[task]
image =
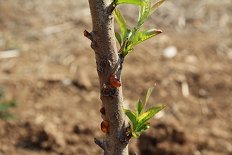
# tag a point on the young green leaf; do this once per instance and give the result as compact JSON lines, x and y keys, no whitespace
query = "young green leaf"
{"x":144,"y":12}
{"x":139,"y":107}
{"x":143,"y":127}
{"x":137,"y":132}
{"x":132,"y":117}
{"x":144,"y":35}
{"x":118,"y":37}
{"x":126,"y":51}
{"x":156,"y":6}
{"x":127,"y":48}
{"x":136,"y":2}
{"x":149,"y":91}
{"x":149,"y":114}
{"x":121,"y":22}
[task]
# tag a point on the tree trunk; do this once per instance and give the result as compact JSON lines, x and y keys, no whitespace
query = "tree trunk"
{"x":103,"y":43}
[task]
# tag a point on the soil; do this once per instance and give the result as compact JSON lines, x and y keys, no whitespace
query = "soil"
{"x":52,"y":77}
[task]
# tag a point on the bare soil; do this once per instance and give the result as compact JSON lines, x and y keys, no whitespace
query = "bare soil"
{"x":53,"y":79}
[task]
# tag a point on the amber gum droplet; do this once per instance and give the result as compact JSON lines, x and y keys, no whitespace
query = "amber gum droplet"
{"x":105,"y":126}
{"x":114,"y":81}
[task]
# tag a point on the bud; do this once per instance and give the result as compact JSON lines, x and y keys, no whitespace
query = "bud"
{"x":103,"y":111}
{"x":105,"y":126}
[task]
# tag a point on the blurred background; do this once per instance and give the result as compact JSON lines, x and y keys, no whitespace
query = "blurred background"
{"x":48,"y":76}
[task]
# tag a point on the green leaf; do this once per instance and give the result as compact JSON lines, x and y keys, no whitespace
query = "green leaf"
{"x":138,"y":131}
{"x":132,"y":117}
{"x":144,"y":12}
{"x":149,"y":114}
{"x":129,"y":34}
{"x":126,"y":43}
{"x":156,"y":6}
{"x":143,"y":127}
{"x":126,"y":51}
{"x":118,"y":37}
{"x":139,"y":107}
{"x":144,"y":35}
{"x":121,"y":22}
{"x":136,"y":2}
{"x":149,"y":91}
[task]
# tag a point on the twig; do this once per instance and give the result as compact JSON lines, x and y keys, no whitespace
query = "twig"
{"x":88,"y":35}
{"x":100,"y":143}
{"x":185,"y":89}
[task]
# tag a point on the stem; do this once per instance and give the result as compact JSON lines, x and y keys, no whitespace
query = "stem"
{"x":104,"y":45}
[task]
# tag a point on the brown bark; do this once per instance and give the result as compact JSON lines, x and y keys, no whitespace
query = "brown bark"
{"x":103,"y":43}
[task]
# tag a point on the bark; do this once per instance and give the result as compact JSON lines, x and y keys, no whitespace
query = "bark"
{"x":108,"y":61}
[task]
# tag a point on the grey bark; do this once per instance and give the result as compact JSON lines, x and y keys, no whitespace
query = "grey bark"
{"x":103,"y":43}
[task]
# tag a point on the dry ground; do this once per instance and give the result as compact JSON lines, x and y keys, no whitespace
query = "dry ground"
{"x":54,"y":81}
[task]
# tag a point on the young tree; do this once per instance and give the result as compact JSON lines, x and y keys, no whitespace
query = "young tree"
{"x":109,"y":60}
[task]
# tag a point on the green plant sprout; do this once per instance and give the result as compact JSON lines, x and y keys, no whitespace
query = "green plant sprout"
{"x":5,"y":106}
{"x":139,"y":117}
{"x":128,"y":38}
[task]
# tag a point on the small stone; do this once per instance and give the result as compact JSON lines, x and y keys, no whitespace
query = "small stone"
{"x":170,"y":52}
{"x":203,"y":93}
{"x":185,"y":89}
{"x":66,"y":82}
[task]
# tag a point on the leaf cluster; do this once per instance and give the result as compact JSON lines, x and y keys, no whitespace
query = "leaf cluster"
{"x":139,"y":118}
{"x":128,"y":38}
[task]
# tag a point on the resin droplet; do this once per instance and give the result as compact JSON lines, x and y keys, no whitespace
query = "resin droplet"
{"x":114,"y":81}
{"x":105,"y":126}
